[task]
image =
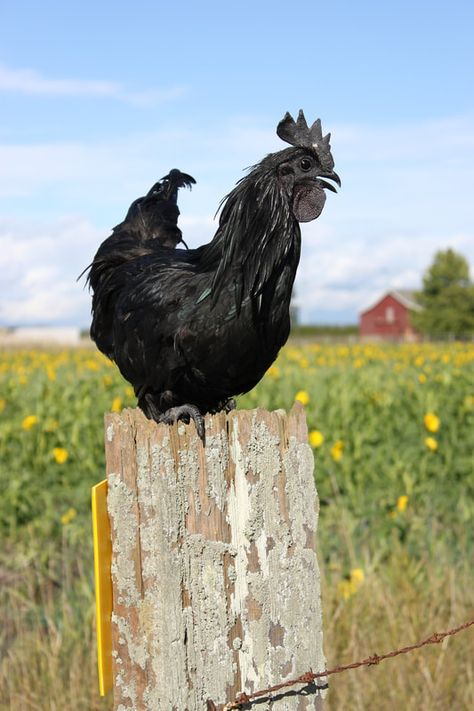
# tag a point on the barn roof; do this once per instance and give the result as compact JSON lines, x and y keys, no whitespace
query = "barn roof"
{"x":406,"y":297}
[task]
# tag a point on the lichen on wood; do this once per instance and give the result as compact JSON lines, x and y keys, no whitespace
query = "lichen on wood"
{"x":215,"y":577}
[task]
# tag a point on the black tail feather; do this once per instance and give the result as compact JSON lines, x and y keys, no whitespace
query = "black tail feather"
{"x":150,"y":224}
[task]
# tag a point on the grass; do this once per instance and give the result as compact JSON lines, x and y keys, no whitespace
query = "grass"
{"x":396,"y":526}
{"x":403,"y":604}
{"x":48,"y":640}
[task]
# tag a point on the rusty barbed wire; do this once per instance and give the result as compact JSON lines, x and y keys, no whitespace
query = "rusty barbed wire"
{"x":308,"y":677}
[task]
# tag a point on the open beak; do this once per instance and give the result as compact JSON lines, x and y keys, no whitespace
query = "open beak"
{"x":330,"y":176}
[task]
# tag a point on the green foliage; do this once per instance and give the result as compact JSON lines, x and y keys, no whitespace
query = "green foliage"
{"x":447,"y":298}
{"x":448,"y":269}
{"x":314,"y":331}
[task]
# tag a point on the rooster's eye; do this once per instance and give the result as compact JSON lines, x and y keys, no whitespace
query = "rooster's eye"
{"x":306,"y":164}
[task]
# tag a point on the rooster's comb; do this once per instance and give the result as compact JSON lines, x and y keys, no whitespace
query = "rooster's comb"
{"x":297,"y":133}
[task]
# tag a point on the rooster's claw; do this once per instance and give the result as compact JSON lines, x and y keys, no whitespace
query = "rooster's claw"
{"x":230,"y":405}
{"x":185,"y":413}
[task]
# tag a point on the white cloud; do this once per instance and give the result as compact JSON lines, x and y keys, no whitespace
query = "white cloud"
{"x":49,"y":303}
{"x":40,"y":265}
{"x":122,"y":168}
{"x":29,"y":81}
{"x":338,"y":278}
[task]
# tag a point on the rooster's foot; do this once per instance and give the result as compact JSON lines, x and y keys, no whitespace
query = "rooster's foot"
{"x":185,"y":413}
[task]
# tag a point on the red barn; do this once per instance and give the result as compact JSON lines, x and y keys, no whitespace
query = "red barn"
{"x":389,"y":317}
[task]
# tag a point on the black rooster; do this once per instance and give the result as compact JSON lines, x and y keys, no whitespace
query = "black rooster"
{"x":190,"y":328}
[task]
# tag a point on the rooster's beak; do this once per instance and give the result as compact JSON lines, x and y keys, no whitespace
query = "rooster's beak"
{"x":330,"y":176}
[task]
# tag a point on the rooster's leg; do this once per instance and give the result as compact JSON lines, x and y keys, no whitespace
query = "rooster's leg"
{"x":230,"y":405}
{"x":185,"y":413}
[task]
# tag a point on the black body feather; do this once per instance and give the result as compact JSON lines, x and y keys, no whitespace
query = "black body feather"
{"x":198,"y":326}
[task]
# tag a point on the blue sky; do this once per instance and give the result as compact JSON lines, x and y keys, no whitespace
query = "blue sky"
{"x":98,"y":100}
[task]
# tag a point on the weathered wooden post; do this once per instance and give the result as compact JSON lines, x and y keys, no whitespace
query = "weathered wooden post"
{"x":215,"y":577}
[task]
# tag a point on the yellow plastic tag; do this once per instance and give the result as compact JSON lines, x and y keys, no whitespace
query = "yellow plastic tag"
{"x":103,"y":585}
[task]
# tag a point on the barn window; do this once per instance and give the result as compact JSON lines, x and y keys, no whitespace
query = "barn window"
{"x":389,"y":314}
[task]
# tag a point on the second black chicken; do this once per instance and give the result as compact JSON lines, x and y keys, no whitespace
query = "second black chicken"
{"x":191,"y":328}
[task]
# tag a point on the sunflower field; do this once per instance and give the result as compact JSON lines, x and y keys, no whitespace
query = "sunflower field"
{"x":392,"y":430}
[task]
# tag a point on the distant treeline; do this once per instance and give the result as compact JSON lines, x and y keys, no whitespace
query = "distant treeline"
{"x":313,"y":331}
{"x":299,"y":331}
